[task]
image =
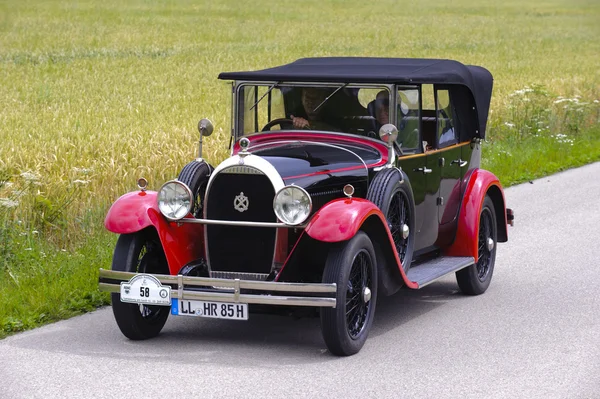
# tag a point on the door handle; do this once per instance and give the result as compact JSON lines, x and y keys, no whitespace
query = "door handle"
{"x":460,"y":162}
{"x":424,"y":170}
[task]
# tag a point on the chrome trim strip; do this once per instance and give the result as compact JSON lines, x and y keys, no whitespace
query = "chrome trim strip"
{"x":242,"y":298}
{"x":235,"y":286}
{"x":237,"y":223}
{"x":244,"y":284}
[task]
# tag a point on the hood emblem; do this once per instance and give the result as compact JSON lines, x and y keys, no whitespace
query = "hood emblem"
{"x":240,"y":203}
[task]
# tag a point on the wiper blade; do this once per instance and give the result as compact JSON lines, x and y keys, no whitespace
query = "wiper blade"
{"x":264,"y":95}
{"x":329,"y":96}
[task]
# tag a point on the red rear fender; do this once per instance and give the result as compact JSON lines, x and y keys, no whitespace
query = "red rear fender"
{"x":136,"y":211}
{"x":481,"y":183}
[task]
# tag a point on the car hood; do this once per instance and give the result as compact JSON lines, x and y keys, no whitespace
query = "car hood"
{"x":312,"y":164}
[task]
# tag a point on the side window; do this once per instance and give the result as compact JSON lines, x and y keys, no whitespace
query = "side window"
{"x":446,"y":131}
{"x":409,"y":136}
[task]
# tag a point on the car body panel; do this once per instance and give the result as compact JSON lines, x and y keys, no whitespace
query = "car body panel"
{"x":341,"y":219}
{"x":478,"y":183}
{"x":136,"y":211}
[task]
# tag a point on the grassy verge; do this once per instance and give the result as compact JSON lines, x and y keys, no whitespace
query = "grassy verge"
{"x":95,"y":94}
{"x":540,"y":156}
{"x":40,"y":283}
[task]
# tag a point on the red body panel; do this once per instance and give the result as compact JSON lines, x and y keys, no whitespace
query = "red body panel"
{"x":130,"y":212}
{"x":135,"y":211}
{"x":340,"y":219}
{"x":466,"y":241}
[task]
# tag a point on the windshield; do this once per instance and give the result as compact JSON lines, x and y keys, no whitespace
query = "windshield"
{"x":337,"y":108}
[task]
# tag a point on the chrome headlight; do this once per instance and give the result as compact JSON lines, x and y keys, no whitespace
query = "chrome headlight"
{"x":292,"y":205}
{"x":175,"y":200}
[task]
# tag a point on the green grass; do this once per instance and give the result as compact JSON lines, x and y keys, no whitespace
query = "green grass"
{"x":539,"y":156}
{"x":42,"y":283}
{"x":94,"y":94}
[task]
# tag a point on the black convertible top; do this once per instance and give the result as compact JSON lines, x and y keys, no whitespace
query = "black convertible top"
{"x":476,"y":79}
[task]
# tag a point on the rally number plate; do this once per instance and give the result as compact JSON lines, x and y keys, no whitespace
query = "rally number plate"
{"x":215,"y":310}
{"x":145,"y":289}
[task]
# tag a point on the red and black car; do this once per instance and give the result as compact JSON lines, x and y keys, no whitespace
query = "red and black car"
{"x":348,"y":178}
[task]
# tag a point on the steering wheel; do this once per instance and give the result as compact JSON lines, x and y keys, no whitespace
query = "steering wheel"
{"x":278,"y":121}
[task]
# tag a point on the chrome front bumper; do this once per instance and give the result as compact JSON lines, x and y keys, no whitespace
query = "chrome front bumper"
{"x":227,"y":290}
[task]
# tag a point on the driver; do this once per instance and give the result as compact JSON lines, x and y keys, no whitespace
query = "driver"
{"x":312,"y":97}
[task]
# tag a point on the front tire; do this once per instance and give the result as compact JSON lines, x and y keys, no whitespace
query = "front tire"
{"x":475,"y":279}
{"x":139,"y":252}
{"x":352,"y":266}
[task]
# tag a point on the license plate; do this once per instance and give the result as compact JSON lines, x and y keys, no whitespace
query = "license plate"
{"x":215,"y":310}
{"x":145,"y":289}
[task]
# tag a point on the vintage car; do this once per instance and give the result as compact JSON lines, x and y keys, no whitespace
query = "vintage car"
{"x":348,"y":178}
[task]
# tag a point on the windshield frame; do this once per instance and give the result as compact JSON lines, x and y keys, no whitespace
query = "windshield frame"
{"x":237,"y":127}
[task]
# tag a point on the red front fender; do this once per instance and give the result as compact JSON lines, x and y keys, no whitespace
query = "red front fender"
{"x":340,"y":219}
{"x":481,"y":183}
{"x":130,"y":213}
{"x":136,"y":211}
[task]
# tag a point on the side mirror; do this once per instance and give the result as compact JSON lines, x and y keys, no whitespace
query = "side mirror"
{"x":205,"y":127}
{"x":388,"y":133}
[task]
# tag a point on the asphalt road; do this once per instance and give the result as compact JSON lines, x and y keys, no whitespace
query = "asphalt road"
{"x":534,"y":334}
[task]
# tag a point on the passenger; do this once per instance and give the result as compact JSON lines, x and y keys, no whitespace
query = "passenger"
{"x":382,"y":109}
{"x":313,"y":97}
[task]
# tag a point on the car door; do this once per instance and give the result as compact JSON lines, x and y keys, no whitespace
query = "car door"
{"x":413,"y":160}
{"x":451,"y":166}
{"x":443,"y":155}
{"x":413,"y":166}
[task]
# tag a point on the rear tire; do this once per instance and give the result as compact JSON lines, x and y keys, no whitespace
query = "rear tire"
{"x":352,"y":266}
{"x":475,"y":279}
{"x":139,"y":252}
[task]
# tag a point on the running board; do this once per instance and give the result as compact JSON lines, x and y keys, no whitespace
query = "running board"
{"x":427,"y":272}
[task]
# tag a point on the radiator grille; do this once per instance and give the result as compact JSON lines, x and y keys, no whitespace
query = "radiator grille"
{"x":235,"y":248}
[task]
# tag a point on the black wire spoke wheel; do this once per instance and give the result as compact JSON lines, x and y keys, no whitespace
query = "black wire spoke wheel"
{"x":475,"y":279}
{"x":147,"y":263}
{"x":397,"y":218}
{"x":351,"y":265}
{"x":357,"y":309}
{"x":485,"y":253}
{"x":391,"y":191}
{"x":139,"y":252}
